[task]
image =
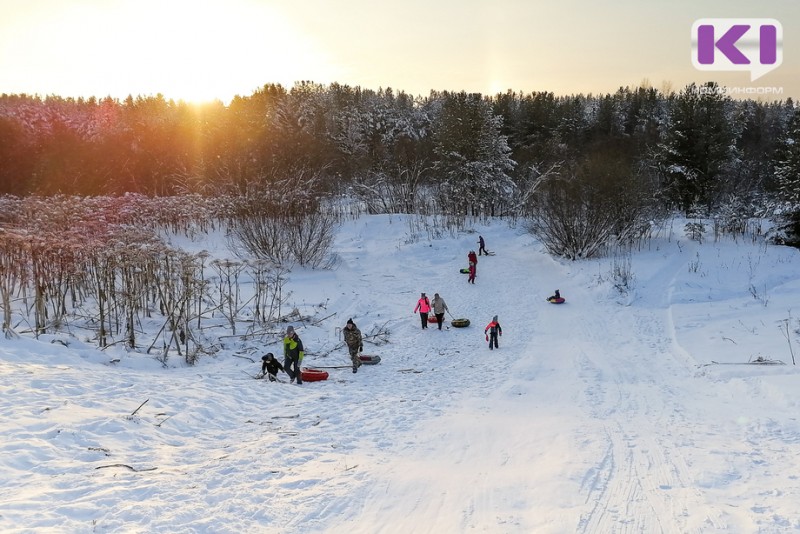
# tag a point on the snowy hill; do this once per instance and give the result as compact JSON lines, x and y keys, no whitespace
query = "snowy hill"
{"x":605,"y":414}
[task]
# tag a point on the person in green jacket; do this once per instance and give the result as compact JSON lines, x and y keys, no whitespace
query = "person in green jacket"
{"x":292,"y":355}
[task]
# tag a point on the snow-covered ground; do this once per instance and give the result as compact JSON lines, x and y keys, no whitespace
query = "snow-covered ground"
{"x":601,"y":415}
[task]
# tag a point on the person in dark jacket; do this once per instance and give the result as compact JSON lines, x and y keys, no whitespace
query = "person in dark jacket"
{"x":482,"y":246}
{"x":492,"y":331}
{"x":292,"y":355}
{"x":270,"y":366}
{"x":355,"y":343}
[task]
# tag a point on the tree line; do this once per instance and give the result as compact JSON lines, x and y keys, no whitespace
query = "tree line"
{"x":533,"y":155}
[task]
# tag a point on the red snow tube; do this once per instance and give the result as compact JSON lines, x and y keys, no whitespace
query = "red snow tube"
{"x":431,"y":318}
{"x":559,"y":300}
{"x":369,"y":359}
{"x":313,"y":375}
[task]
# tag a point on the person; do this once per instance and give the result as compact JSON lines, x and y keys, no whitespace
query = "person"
{"x":556,"y":296}
{"x":482,"y":244}
{"x":270,"y":366}
{"x":439,"y":307}
{"x":424,"y":306}
{"x":355,"y":343}
{"x":494,"y":330}
{"x":292,"y":355}
{"x":473,"y":266}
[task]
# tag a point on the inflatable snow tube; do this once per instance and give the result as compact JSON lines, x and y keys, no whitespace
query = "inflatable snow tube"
{"x":460,"y":323}
{"x":313,"y":375}
{"x":464,"y":271}
{"x":369,"y":359}
{"x":559,"y":300}
{"x":432,"y":319}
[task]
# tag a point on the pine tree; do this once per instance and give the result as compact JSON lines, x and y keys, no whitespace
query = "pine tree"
{"x":699,"y":149}
{"x":473,"y":157}
{"x":787,"y":176}
{"x":787,"y":169}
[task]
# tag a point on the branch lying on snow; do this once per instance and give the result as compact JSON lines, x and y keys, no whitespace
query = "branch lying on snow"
{"x":315,"y":323}
{"x":408,"y":371}
{"x":126,"y":465}
{"x":164,"y":420}
{"x":379,"y":335}
{"x":139,"y":408}
{"x":758,"y":361}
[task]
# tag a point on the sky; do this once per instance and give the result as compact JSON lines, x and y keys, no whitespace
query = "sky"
{"x":215,"y":49}
{"x":611,"y":413}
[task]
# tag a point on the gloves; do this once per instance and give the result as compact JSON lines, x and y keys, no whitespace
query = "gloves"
{"x":487,"y":337}
{"x":300,"y":359}
{"x":501,"y":334}
{"x":361,"y":348}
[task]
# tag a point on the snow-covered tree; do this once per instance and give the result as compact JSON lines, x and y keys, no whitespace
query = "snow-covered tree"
{"x":700,"y":149}
{"x":787,"y":176}
{"x":472,"y":156}
{"x":787,"y":169}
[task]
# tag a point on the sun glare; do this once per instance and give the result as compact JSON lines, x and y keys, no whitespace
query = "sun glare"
{"x":186,"y":50}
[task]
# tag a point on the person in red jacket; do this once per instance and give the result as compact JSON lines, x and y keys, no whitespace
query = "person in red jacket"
{"x":473,"y":266}
{"x":492,"y":331}
{"x":424,"y":306}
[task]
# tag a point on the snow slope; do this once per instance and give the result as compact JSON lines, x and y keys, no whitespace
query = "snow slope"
{"x":601,"y":415}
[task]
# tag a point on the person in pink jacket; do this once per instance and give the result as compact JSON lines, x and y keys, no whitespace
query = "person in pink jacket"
{"x":424,"y":306}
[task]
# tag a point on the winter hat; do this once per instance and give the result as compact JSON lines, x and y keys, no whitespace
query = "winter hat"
{"x":494,"y":318}
{"x":268,"y":356}
{"x":350,"y":321}
{"x":289,"y":330}
{"x":436,"y":295}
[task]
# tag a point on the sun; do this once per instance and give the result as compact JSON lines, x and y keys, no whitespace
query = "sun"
{"x":191,"y":50}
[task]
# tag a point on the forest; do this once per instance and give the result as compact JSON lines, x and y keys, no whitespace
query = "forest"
{"x":697,"y":150}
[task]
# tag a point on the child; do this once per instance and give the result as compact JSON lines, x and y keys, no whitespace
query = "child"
{"x":270,"y":366}
{"x":555,"y":297}
{"x":473,"y":266}
{"x":494,"y":330}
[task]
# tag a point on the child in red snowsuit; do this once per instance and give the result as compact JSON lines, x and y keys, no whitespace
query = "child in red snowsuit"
{"x":473,"y":266}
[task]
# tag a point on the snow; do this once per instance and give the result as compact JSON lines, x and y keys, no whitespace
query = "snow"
{"x":604,"y":414}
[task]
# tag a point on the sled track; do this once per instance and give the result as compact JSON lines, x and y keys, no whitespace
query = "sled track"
{"x":622,"y":495}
